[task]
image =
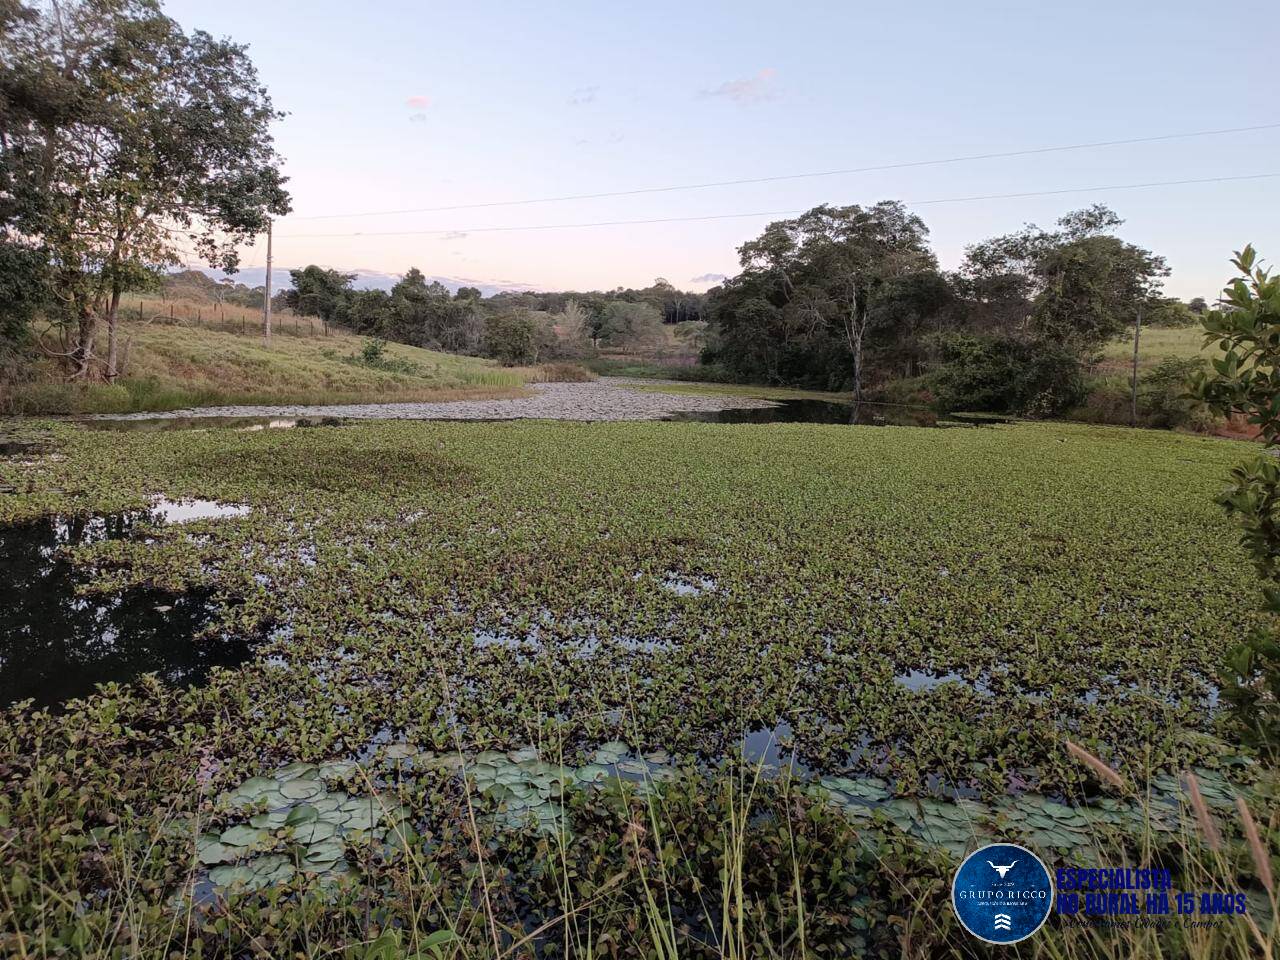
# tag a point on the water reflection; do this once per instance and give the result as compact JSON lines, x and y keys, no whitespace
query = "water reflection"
{"x":55,"y":644}
{"x":825,"y":411}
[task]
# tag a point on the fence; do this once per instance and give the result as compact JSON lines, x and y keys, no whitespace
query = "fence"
{"x":225,"y":317}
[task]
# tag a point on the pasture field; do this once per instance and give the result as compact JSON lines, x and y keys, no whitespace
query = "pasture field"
{"x":209,"y":361}
{"x":629,"y":689}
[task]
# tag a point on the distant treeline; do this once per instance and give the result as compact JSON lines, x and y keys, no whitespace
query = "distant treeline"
{"x":841,"y":298}
{"x":512,"y":327}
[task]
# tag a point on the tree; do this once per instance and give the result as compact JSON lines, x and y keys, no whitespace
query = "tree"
{"x":1078,"y":284}
{"x":1245,"y":380}
{"x":574,"y":330}
{"x":812,"y":289}
{"x":630,"y":326}
{"x":427,"y":316}
{"x":141,"y":137}
{"x":318,"y":292}
{"x":369,"y":311}
{"x":1091,"y":289}
{"x":511,"y":338}
{"x":1169,"y":312}
{"x":1197,"y":306}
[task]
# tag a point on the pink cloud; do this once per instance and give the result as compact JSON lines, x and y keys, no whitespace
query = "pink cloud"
{"x":419,"y":102}
{"x":748,"y":90}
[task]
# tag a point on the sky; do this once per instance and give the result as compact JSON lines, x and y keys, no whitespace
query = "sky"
{"x":394,"y":105}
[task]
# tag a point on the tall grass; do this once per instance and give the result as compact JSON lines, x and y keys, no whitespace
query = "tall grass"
{"x":119,"y":894}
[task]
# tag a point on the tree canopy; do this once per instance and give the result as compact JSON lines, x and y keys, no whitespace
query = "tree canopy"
{"x":123,"y":140}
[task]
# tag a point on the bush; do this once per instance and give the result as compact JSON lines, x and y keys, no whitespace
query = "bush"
{"x":1162,"y":392}
{"x":374,"y":356}
{"x":1003,"y":374}
{"x":512,"y":339}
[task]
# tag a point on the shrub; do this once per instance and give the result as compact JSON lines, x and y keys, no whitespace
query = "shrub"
{"x":1162,"y":392}
{"x":511,"y":338}
{"x":1005,"y":374}
{"x":374,"y":356}
{"x":1243,"y":381}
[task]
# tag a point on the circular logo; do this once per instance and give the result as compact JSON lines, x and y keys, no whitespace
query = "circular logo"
{"x":1002,"y":893}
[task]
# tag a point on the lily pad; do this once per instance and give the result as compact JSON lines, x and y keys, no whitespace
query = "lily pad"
{"x":243,"y":836}
{"x":302,"y":789}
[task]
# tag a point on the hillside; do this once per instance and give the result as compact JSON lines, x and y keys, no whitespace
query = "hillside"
{"x":184,"y":361}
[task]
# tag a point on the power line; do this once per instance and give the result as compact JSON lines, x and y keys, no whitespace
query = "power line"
{"x":799,"y":176}
{"x":781,"y":213}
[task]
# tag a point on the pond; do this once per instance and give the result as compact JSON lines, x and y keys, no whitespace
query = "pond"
{"x":56,"y":644}
{"x":783,"y":411}
{"x":826,"y":411}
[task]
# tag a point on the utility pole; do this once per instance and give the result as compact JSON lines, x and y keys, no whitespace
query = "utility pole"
{"x":1133,"y":396}
{"x":266,"y":301}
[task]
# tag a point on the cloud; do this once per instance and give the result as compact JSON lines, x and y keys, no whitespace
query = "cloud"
{"x":419,"y":102}
{"x":583,"y":95}
{"x":454,"y":235}
{"x":709,"y":278}
{"x":610,"y":139}
{"x":751,"y":90}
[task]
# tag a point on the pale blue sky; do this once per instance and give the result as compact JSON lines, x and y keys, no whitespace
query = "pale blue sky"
{"x":395,"y":104}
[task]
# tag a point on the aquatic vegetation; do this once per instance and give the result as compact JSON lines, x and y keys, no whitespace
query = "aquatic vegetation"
{"x":527,"y":631}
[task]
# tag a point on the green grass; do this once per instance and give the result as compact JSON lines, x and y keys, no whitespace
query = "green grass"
{"x":172,"y":366}
{"x":655,"y":369}
{"x":463,"y":590}
{"x":1154,"y":345}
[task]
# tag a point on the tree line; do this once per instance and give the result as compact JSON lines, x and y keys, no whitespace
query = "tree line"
{"x":514,"y":328}
{"x":846,"y":297}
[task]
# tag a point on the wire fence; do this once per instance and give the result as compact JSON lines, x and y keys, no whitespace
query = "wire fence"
{"x":224,"y":317}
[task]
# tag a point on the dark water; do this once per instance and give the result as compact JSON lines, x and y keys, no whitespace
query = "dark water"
{"x":825,"y":411}
{"x":787,"y":411}
{"x":55,"y":645}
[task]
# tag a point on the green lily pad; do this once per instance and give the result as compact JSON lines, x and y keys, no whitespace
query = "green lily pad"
{"x":302,"y":789}
{"x":210,"y":852}
{"x":325,"y":850}
{"x":294,"y":771}
{"x":314,"y":832}
{"x":243,"y":836}
{"x":230,"y":875}
{"x":305,"y":813}
{"x":272,"y":820}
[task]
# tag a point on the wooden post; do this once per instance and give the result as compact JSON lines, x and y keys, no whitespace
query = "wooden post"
{"x":1133,"y":396}
{"x":266,"y":301}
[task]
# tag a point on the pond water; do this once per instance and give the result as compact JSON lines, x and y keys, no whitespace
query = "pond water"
{"x":56,"y":644}
{"x":825,"y":411}
{"x":785,"y":411}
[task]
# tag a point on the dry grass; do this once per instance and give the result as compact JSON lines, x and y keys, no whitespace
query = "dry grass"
{"x":169,"y":363}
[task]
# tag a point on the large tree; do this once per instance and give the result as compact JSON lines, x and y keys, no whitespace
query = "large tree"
{"x":813,"y":289}
{"x":124,"y":142}
{"x":1078,"y":284}
{"x":318,"y":292}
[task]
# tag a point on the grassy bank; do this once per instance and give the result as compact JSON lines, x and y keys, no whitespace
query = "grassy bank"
{"x":173,"y":365}
{"x":477,"y":629}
